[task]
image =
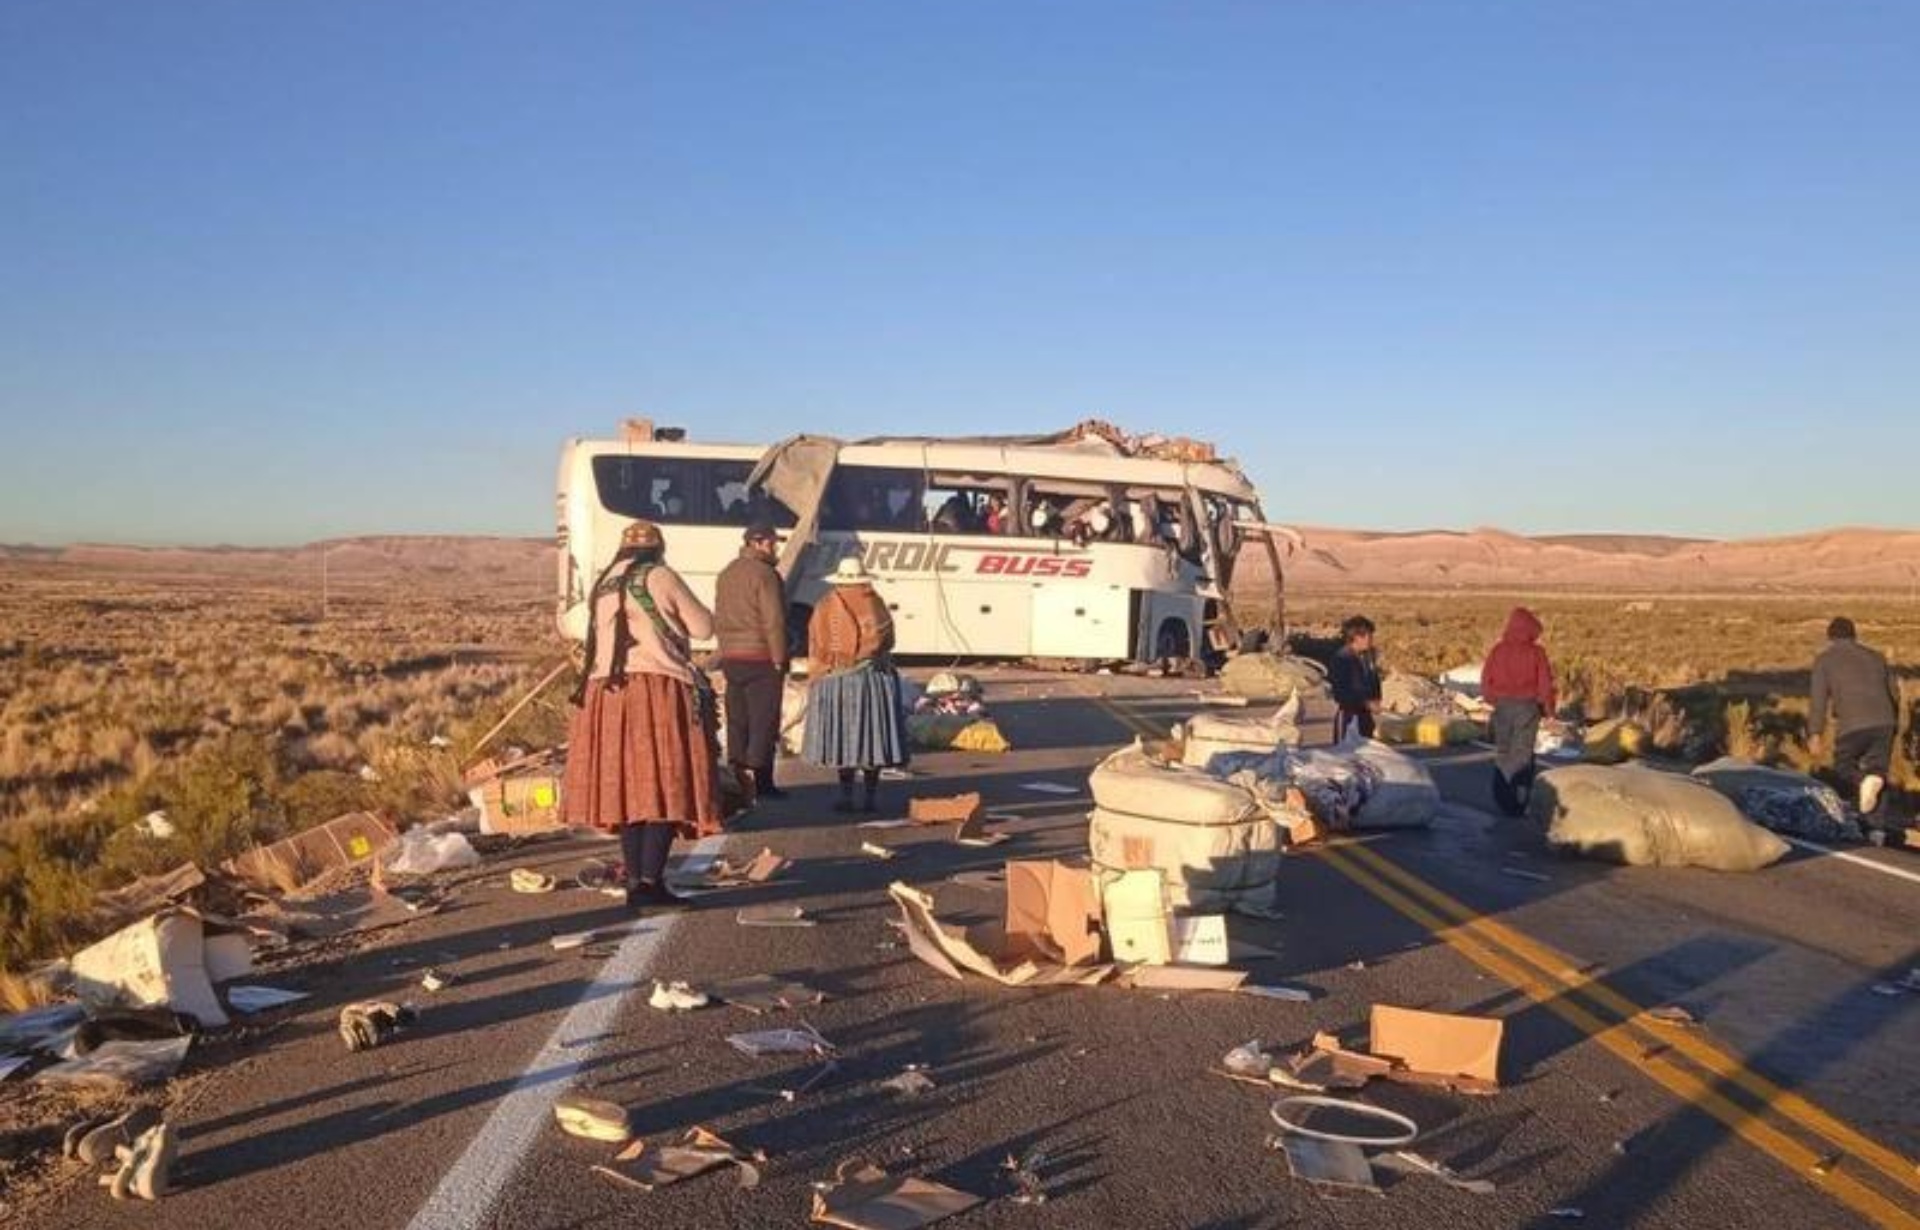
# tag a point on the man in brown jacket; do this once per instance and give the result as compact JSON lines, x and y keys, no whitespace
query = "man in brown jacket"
{"x":750,"y":624}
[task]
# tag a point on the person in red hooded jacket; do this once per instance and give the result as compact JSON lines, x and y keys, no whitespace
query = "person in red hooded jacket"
{"x":1517,"y":681}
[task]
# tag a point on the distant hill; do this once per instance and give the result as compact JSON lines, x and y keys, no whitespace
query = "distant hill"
{"x":1844,"y":559}
{"x":347,"y":559}
{"x":1853,"y":560}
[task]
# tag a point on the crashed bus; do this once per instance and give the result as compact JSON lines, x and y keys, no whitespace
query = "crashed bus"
{"x":1086,"y":546}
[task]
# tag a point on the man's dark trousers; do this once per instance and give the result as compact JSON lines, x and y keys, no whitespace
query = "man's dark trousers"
{"x":753,"y":716}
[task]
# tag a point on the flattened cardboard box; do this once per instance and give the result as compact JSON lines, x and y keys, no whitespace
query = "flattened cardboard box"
{"x":287,"y":865}
{"x":1460,"y":1052}
{"x":520,"y":804}
{"x":1053,"y":912}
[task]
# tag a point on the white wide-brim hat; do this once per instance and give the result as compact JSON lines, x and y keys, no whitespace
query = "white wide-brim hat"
{"x":850,"y":571}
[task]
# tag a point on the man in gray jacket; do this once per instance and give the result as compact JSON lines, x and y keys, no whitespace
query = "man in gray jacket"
{"x":750,"y":627}
{"x":1856,"y":683}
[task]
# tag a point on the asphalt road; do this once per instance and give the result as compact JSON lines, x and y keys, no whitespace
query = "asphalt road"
{"x":1791,"y":1104}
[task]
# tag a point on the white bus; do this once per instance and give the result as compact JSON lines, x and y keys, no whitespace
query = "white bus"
{"x":983,"y":548}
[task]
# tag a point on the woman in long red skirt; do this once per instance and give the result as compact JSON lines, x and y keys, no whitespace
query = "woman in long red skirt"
{"x":642,"y":759}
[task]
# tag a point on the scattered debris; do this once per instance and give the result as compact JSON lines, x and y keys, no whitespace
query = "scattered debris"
{"x":676,"y":997}
{"x":1200,"y":939}
{"x":883,"y":853}
{"x":951,"y":949}
{"x":364,"y":1026}
{"x":437,"y":979}
{"x":953,"y":809}
{"x":1282,"y":992}
{"x":649,"y":1167}
{"x":762,"y":993}
{"x":261,"y":999}
{"x":911,"y":1083}
{"x":807,"y":1086}
{"x":1353,"y":1123}
{"x":1134,"y":911}
{"x":1048,"y":788}
{"x":861,"y":1196}
{"x":1673,"y":1015}
{"x":1568,"y":1214}
{"x":121,"y":1065}
{"x":1024,"y":1174}
{"x":762,"y":868}
{"x":773,"y":916}
{"x":803,"y":1041}
{"x":423,"y":852}
{"x":173,"y":958}
{"x":1329,"y":1163}
{"x":527,"y":880}
{"x":291,"y":864}
{"x":1053,"y":912}
{"x":519,"y":798}
{"x":1409,"y":1163}
{"x":1438,"y":1048}
{"x":1519,"y":874}
{"x":1184,"y":978}
{"x":580,"y":939}
{"x":593,"y":1118}
{"x":894,"y":823}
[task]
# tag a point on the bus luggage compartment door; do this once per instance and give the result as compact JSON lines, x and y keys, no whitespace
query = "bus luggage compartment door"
{"x":1080,"y":621}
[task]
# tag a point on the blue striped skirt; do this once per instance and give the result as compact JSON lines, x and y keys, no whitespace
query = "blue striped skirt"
{"x":856,"y":719}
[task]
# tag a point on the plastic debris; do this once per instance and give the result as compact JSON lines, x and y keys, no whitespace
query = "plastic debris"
{"x":424,"y":853}
{"x":1024,"y":1174}
{"x":763,"y":993}
{"x":437,"y":980}
{"x":527,"y":880}
{"x":1673,"y":1015}
{"x":1375,"y":1127}
{"x":144,"y":1169}
{"x":1329,"y":1163}
{"x":121,"y":1065}
{"x":803,"y":1041}
{"x":261,"y":999}
{"x":773,"y":916}
{"x":1409,"y":1163}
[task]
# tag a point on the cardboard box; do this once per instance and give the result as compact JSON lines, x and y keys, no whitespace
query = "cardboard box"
{"x":519,"y":804}
{"x":1053,"y":912}
{"x":302,"y":858}
{"x":1134,"y":910}
{"x":957,"y":809}
{"x":1438,"y":1047}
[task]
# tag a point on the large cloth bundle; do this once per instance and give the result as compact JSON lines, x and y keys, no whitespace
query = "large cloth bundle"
{"x":1212,"y":734}
{"x":1784,"y":801}
{"x":1216,"y":845}
{"x":1645,"y":818}
{"x":1267,"y":676}
{"x":1404,"y":794}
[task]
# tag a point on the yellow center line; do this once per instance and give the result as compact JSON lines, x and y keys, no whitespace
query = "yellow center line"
{"x":1550,"y":979}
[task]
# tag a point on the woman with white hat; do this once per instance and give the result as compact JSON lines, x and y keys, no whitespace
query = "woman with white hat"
{"x":855,"y":719}
{"x":642,"y":758}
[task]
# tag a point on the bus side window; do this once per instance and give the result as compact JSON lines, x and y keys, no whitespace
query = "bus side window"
{"x":871,"y":498}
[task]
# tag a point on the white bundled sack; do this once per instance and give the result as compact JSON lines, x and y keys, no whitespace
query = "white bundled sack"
{"x":1404,"y":794}
{"x":1212,"y":840}
{"x":1211,"y":734}
{"x":1645,"y":818}
{"x":1782,"y":800}
{"x":1130,"y":781}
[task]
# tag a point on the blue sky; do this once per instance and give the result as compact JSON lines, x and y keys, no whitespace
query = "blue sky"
{"x":271,"y":272}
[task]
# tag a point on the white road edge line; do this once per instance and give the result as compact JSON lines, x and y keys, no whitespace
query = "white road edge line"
{"x":1856,"y":859}
{"x":469,"y":1191}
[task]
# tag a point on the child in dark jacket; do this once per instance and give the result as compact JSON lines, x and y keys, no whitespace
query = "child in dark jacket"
{"x":1354,"y":676}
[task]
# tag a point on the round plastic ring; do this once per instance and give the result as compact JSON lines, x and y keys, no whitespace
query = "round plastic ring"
{"x":1408,"y":1129}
